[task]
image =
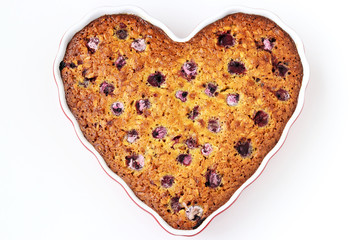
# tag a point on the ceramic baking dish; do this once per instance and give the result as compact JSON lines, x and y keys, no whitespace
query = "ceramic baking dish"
{"x":139,"y":12}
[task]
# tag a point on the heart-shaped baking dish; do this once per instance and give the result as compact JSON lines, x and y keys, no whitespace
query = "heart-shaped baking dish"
{"x":212,"y":179}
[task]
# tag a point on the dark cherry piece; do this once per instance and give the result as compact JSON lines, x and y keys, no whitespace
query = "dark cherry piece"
{"x":214,"y":126}
{"x":184,"y":159}
{"x":156,"y":79}
{"x":282,"y":70}
{"x":117,"y":108}
{"x":191,"y":143}
{"x":175,"y":204}
{"x":72,"y":65}
{"x":107,"y":88}
{"x":210,"y":89}
{"x":62,"y":65}
{"x":206,"y":149}
{"x":120,"y":62}
{"x":268,"y":43}
{"x":236,"y":67}
{"x":243,"y":147}
{"x":141,"y":105}
{"x":226,"y":40}
{"x":194,"y":113}
{"x":182,"y":95}
{"x":159,"y":132}
{"x":189,"y":70}
{"x":279,"y":68}
{"x":122,"y":25}
{"x":135,"y":162}
{"x":261,"y":118}
{"x":167,"y":181}
{"x":139,"y":44}
{"x":282,"y":95}
{"x":132,"y":136}
{"x":232,"y":99}
{"x":122,"y":34}
{"x":92,"y":44}
{"x":213,"y":180}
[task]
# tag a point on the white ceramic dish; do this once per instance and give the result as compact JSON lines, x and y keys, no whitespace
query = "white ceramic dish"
{"x":139,"y":12}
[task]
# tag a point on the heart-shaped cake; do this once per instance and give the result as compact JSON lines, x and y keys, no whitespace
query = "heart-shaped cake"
{"x":184,"y":124}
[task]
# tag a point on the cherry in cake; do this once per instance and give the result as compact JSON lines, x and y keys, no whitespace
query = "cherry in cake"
{"x":106,"y":88}
{"x":167,"y":181}
{"x":226,"y":40}
{"x":189,"y":70}
{"x":139,"y":44}
{"x":117,"y":108}
{"x":184,"y":159}
{"x":135,"y":162}
{"x":159,"y":132}
{"x":92,"y":44}
{"x":236,"y":67}
{"x":156,"y":79}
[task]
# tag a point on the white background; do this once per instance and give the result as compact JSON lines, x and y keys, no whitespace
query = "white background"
{"x":51,"y":187}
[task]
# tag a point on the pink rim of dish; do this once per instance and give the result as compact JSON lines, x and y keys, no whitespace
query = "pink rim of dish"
{"x":137,"y":11}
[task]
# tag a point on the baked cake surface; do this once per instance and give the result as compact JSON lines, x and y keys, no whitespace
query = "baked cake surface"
{"x":183,"y":124}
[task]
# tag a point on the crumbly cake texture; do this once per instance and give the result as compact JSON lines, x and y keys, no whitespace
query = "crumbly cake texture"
{"x":183,"y":124}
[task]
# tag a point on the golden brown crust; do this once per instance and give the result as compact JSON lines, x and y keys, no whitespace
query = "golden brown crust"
{"x":256,"y":88}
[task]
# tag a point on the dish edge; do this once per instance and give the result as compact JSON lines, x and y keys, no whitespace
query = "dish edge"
{"x":95,"y":13}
